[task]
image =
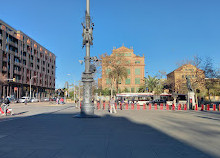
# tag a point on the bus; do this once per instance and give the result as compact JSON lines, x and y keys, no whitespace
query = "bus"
{"x":141,"y":98}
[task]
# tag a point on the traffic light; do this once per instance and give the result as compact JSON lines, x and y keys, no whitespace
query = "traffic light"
{"x":14,"y":80}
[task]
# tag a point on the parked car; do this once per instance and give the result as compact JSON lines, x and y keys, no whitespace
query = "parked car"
{"x":158,"y":101}
{"x":45,"y":99}
{"x":34,"y":100}
{"x":22,"y":100}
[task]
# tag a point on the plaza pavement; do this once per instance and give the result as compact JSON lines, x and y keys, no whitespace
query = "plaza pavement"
{"x":55,"y":133}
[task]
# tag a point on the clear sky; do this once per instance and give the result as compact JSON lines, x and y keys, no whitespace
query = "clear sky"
{"x":165,"y":31}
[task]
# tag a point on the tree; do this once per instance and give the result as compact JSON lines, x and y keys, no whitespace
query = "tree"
{"x":151,"y":83}
{"x":116,"y":71}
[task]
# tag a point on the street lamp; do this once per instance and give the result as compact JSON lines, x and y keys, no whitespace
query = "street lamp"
{"x":30,"y":84}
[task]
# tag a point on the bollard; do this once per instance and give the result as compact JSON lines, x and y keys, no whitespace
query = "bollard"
{"x":98,"y":105}
{"x":115,"y":105}
{"x":185,"y":107}
{"x":80,"y":105}
{"x":196,"y":107}
{"x":104,"y":106}
{"x":208,"y":107}
{"x":138,"y":106}
{"x":150,"y":106}
{"x":202,"y":109}
{"x":179,"y":107}
{"x":126,"y":107}
{"x":121,"y":106}
{"x":219,"y":107}
{"x":161,"y":106}
{"x":173,"y":107}
{"x":167,"y":107}
{"x":155,"y":106}
{"x":144,"y":106}
{"x":214,"y":107}
{"x":132,"y":106}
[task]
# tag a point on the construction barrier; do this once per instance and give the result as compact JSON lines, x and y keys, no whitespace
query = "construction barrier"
{"x":202,"y":108}
{"x":179,"y":107}
{"x":155,"y":106}
{"x":98,"y":105}
{"x":161,"y":106}
{"x":126,"y":106}
{"x":103,"y":105}
{"x":132,"y":106}
{"x":144,"y":106}
{"x":196,"y":107}
{"x":208,"y":107}
{"x":214,"y":107}
{"x":167,"y":107}
{"x":185,"y":107}
{"x":150,"y":106}
{"x":138,"y":106}
{"x":173,"y":107}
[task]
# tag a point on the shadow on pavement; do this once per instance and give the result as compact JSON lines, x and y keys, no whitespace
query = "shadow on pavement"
{"x":59,"y":135}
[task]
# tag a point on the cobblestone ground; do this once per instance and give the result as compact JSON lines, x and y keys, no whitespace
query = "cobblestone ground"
{"x":53,"y":132}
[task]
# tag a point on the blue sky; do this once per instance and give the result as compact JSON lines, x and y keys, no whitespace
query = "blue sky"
{"x":165,"y":31}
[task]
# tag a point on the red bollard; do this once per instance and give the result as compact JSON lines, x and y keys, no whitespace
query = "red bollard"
{"x":121,"y":106}
{"x":138,"y":106}
{"x":98,"y":105}
{"x":202,"y":109}
{"x":104,"y":106}
{"x":155,"y":106}
{"x":208,"y":107}
{"x":144,"y":106}
{"x":115,"y":105}
{"x":80,"y":105}
{"x":161,"y":106}
{"x":219,"y":107}
{"x":150,"y":106}
{"x":126,"y":107}
{"x":179,"y":107}
{"x":214,"y":107}
{"x":185,"y":107}
{"x":196,"y":107}
{"x":132,"y":106}
{"x":173,"y":107}
{"x":167,"y":107}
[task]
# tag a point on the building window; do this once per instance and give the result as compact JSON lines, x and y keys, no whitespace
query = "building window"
{"x":128,"y":54}
{"x":137,"y":62}
{"x":108,"y":81}
{"x":137,"y":80}
{"x":137,"y":71}
{"x":127,"y":81}
{"x":128,"y":71}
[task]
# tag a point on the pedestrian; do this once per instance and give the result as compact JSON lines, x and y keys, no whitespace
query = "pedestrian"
{"x":112,"y":105}
{"x":5,"y":107}
{"x":57,"y":100}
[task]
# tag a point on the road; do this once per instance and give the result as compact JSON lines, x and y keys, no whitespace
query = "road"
{"x":54,"y":132}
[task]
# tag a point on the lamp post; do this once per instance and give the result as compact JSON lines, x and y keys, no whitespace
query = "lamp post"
{"x":87,"y":109}
{"x":30,"y":84}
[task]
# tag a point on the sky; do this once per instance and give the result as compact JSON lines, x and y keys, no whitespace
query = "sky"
{"x":165,"y":31}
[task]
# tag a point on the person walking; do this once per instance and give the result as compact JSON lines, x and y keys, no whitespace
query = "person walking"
{"x":5,"y":107}
{"x":112,"y":105}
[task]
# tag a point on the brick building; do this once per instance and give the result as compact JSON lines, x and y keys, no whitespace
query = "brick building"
{"x":177,"y":78}
{"x":23,"y":58}
{"x":135,"y":69}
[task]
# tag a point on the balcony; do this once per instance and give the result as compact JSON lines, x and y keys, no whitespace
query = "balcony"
{"x":18,"y":64}
{"x":5,"y":59}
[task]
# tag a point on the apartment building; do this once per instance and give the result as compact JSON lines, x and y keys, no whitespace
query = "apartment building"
{"x":22,"y":58}
{"x":135,"y":70}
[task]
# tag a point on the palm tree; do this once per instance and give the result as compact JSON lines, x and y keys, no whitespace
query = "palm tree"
{"x":117,"y":74}
{"x":151,"y":83}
